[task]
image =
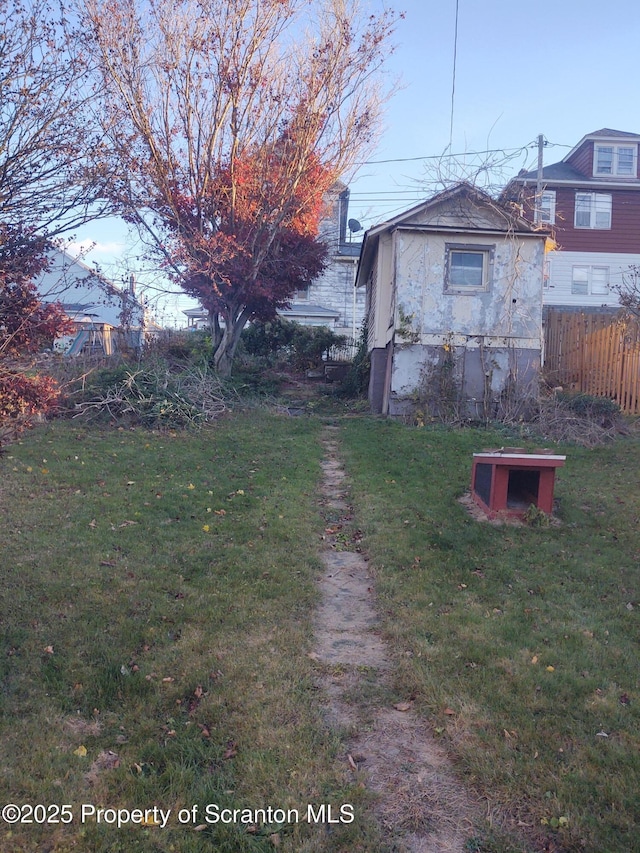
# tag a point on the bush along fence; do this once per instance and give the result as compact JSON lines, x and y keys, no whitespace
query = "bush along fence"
{"x":595,"y":354}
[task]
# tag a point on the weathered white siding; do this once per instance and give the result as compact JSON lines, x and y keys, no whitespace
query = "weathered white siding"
{"x":557,"y":290}
{"x":511,"y":305}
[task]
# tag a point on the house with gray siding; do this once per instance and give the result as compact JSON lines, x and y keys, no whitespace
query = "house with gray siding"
{"x":105,"y":316}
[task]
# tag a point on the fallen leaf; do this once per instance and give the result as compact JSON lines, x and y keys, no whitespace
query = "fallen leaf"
{"x":80,"y":751}
{"x":168,"y":679}
{"x":534,"y":659}
{"x":231,"y":751}
{"x":403,"y":706}
{"x":551,"y":668}
{"x":48,"y":650}
{"x":449,"y":712}
{"x":352,"y":763}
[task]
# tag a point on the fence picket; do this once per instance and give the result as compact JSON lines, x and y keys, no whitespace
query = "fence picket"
{"x":595,"y":354}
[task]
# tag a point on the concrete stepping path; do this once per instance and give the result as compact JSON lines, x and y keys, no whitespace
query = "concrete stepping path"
{"x":420,"y":805}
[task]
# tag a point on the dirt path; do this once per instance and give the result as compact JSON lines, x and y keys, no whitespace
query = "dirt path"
{"x":419,"y":804}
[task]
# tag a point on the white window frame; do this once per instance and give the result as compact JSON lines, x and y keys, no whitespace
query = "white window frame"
{"x":616,"y":167}
{"x":598,"y":206}
{"x":590,"y":274}
{"x":547,"y":207}
{"x":486,"y":252}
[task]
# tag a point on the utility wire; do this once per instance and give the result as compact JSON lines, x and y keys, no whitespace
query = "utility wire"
{"x":453,"y":76}
{"x":504,"y":151}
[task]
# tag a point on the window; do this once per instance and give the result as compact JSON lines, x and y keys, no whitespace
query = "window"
{"x":619,"y":160}
{"x":467,"y":267}
{"x":302,"y":293}
{"x":547,"y":210}
{"x":593,"y":210}
{"x":590,"y":281}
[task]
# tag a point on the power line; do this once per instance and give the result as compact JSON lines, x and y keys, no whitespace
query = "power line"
{"x":505,"y":151}
{"x":453,"y":76}
{"x":443,"y":156}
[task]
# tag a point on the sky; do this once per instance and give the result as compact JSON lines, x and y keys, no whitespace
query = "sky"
{"x":521,"y":69}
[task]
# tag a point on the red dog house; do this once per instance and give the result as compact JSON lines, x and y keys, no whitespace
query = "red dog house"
{"x":510,"y":480}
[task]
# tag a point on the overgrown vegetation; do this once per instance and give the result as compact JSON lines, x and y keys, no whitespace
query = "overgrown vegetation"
{"x":286,"y":343}
{"x":151,"y":394}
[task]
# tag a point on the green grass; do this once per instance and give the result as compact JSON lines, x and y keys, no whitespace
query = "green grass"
{"x":156,"y":603}
{"x":519,"y":644}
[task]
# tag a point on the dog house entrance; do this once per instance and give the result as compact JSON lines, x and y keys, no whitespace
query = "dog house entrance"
{"x":522,"y":489}
{"x":511,"y":480}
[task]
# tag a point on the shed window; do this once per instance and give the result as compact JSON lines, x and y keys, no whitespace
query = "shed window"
{"x":467,"y":267}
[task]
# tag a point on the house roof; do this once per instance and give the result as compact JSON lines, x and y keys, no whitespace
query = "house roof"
{"x":304,"y":309}
{"x":83,"y":290}
{"x":463,"y":192}
{"x":564,"y":171}
{"x":603,"y":133}
{"x":555,"y":172}
{"x":502,"y":218}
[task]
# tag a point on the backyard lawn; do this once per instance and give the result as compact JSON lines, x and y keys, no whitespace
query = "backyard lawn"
{"x":157,"y":598}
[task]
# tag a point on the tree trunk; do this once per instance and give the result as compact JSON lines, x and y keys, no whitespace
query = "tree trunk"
{"x":225,"y":351}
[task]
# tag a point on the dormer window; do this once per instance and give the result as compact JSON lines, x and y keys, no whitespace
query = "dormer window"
{"x":615,"y":160}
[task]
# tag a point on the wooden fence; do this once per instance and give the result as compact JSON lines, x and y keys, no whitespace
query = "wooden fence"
{"x":595,"y":354}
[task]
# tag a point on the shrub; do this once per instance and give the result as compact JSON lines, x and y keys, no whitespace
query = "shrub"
{"x":287,"y":342}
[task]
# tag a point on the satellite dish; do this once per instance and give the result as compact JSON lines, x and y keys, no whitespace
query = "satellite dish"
{"x":354,"y":225}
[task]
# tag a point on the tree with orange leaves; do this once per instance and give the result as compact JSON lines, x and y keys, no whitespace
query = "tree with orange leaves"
{"x":226,"y":123}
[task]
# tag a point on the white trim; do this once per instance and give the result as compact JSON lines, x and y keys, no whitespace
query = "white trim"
{"x":615,"y":159}
{"x":551,"y":207}
{"x":600,"y":204}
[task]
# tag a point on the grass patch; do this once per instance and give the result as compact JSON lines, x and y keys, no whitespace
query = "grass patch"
{"x":519,"y":644}
{"x":156,"y":599}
